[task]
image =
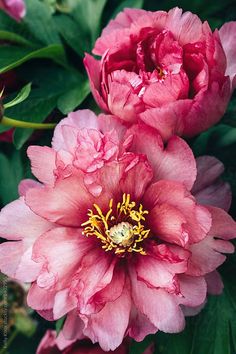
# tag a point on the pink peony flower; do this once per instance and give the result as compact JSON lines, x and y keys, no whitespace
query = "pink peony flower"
{"x":51,"y":343}
{"x":112,"y":235}
{"x":166,"y":69}
{"x":14,"y":8}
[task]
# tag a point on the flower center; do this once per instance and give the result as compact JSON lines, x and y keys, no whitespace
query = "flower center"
{"x":121,"y":229}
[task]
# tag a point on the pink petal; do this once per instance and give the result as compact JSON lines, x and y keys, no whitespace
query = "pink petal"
{"x":42,"y":163}
{"x":73,"y":326}
{"x":227,"y":35}
{"x":26,"y":184}
{"x":155,"y":275}
{"x":206,"y":255}
{"x":173,"y":162}
{"x":67,"y":203}
{"x":193,"y":290}
{"x":26,"y":225}
{"x":61,"y":250}
{"x":140,"y":326}
{"x":96,"y":272}
{"x":186,"y":27}
{"x":208,"y":189}
{"x":168,"y":118}
{"x":160,"y":307}
{"x":168,"y":223}
{"x":109,"y":330}
{"x":214,"y":283}
{"x":173,"y":194}
{"x":93,"y":69}
{"x":123,"y":103}
{"x":76,"y":120}
{"x":135,"y":168}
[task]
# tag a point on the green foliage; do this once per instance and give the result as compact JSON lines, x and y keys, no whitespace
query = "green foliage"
{"x":21,"y":96}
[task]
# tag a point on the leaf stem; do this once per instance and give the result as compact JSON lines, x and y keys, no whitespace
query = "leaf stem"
{"x":28,"y":125}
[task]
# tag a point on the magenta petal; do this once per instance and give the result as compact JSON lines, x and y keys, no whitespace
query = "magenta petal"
{"x":227,"y":35}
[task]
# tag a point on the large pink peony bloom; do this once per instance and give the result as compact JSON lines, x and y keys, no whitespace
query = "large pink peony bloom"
{"x":165,"y":68}
{"x":51,"y":343}
{"x":14,"y":8}
{"x":113,"y":236}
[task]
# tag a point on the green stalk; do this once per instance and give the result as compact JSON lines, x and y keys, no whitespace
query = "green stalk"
{"x":28,"y":125}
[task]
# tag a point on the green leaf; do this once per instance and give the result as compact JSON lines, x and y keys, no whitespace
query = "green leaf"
{"x":138,"y":4}
{"x":11,"y":173}
{"x":70,"y":30}
{"x":25,"y":324}
{"x":40,"y":23}
{"x":12,"y":57}
{"x":4,"y":128}
{"x":15,"y":38}
{"x":21,"y":96}
{"x":59,"y":324}
{"x":88,"y":15}
{"x":53,"y":87}
{"x":71,"y":99}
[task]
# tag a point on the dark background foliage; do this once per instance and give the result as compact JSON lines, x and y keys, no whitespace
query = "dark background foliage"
{"x":47,"y":49}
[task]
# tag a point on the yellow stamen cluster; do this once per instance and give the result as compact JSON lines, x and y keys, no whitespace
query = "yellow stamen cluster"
{"x":121,"y":229}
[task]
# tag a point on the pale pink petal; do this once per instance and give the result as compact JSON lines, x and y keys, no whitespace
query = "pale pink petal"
{"x":227,"y":35}
{"x":173,"y":162}
{"x":76,"y":120}
{"x":42,"y":163}
{"x":26,"y":225}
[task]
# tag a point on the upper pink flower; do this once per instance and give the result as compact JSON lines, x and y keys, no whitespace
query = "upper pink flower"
{"x":14,"y":8}
{"x":113,"y":236}
{"x":165,"y":68}
{"x":51,"y":343}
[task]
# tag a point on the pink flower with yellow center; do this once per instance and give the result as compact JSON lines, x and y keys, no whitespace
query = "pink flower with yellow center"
{"x":112,"y":236}
{"x":14,"y":8}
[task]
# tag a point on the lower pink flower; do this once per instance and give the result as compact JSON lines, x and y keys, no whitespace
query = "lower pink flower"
{"x":14,"y":8}
{"x":113,"y":237}
{"x":51,"y":343}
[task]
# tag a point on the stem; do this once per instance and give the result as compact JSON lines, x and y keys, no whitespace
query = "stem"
{"x":28,"y":125}
{"x":10,"y":340}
